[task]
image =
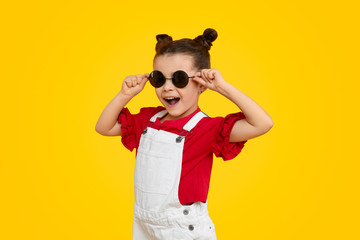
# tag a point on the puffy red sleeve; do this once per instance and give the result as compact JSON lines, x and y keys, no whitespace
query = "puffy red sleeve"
{"x":127,"y":121}
{"x":132,"y":125}
{"x":222,"y":147}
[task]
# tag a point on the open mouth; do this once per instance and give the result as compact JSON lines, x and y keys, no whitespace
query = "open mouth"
{"x":172,"y":100}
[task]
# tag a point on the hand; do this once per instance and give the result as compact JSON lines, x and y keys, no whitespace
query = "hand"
{"x":134,"y":84}
{"x":210,"y":78}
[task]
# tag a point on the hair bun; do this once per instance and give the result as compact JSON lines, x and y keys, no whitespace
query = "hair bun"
{"x":162,"y":39}
{"x":207,"y":38}
{"x":210,"y":35}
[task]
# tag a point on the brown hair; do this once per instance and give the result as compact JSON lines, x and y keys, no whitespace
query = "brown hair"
{"x":198,"y":47}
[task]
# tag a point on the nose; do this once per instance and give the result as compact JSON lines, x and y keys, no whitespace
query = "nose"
{"x":168,"y":85}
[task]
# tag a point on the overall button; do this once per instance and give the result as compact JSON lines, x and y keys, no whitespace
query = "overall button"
{"x":186,"y":212}
{"x":191,"y":227}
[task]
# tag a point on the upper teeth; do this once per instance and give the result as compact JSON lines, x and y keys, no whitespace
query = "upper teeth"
{"x":170,"y":98}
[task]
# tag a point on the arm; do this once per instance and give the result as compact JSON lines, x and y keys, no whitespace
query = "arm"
{"x":257,"y":121}
{"x":107,"y":124}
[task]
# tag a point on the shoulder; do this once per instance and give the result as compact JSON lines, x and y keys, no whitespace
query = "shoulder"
{"x":148,"y":112}
{"x":209,"y":120}
{"x":207,"y":126}
{"x":218,"y":129}
{"x":145,"y":114}
{"x":142,"y":116}
{"x":216,"y":123}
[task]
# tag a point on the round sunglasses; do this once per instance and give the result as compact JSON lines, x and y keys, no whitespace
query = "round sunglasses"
{"x":180,"y":79}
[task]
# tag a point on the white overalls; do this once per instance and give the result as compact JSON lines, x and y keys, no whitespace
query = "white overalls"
{"x":158,"y":214}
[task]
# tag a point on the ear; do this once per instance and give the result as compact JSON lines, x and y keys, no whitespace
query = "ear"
{"x":202,"y":89}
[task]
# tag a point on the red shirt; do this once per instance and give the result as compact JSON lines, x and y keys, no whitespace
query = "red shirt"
{"x":210,"y":136}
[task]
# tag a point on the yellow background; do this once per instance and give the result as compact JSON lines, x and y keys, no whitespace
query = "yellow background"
{"x":63,"y":61}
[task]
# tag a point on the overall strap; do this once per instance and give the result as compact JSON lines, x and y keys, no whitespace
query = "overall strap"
{"x":187,"y":127}
{"x":153,"y":119}
{"x":190,"y":125}
{"x":158,"y":115}
{"x":193,"y":121}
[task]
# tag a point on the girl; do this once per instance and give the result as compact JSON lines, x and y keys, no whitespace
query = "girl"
{"x":175,"y":142}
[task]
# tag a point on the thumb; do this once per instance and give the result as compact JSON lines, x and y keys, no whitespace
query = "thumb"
{"x":144,"y":79}
{"x":199,"y":80}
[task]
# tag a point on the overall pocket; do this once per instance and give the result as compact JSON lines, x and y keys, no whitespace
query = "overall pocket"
{"x":158,"y":162}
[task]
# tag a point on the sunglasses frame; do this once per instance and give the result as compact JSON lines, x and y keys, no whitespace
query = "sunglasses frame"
{"x":152,"y":79}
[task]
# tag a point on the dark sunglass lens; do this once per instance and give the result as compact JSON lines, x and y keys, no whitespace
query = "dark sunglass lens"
{"x":156,"y":79}
{"x":180,"y":79}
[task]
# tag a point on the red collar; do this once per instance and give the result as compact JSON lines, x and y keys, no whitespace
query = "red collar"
{"x":178,"y":123}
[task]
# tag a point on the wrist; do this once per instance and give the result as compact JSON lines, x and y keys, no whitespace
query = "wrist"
{"x":225,"y":89}
{"x":123,"y":98}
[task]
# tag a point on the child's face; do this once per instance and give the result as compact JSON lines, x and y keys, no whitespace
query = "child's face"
{"x":179,"y":102}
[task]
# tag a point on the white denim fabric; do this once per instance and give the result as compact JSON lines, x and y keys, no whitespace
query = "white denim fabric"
{"x":158,"y":214}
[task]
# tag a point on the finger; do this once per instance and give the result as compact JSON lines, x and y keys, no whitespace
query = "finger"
{"x":144,"y":79}
{"x":203,"y":74}
{"x":210,"y":75}
{"x":139,"y":79}
{"x":217,"y":73}
{"x":207,"y":74}
{"x":128,"y":83}
{"x":200,"y":80}
{"x":134,"y":81}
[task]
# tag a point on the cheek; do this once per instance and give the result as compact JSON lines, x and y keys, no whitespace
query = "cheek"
{"x":191,"y":93}
{"x":158,"y":92}
{"x":194,"y":88}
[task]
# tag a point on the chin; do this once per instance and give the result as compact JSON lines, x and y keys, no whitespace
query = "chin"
{"x":175,"y":113}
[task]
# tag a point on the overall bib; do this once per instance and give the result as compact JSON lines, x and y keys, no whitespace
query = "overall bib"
{"x":158,"y":214}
